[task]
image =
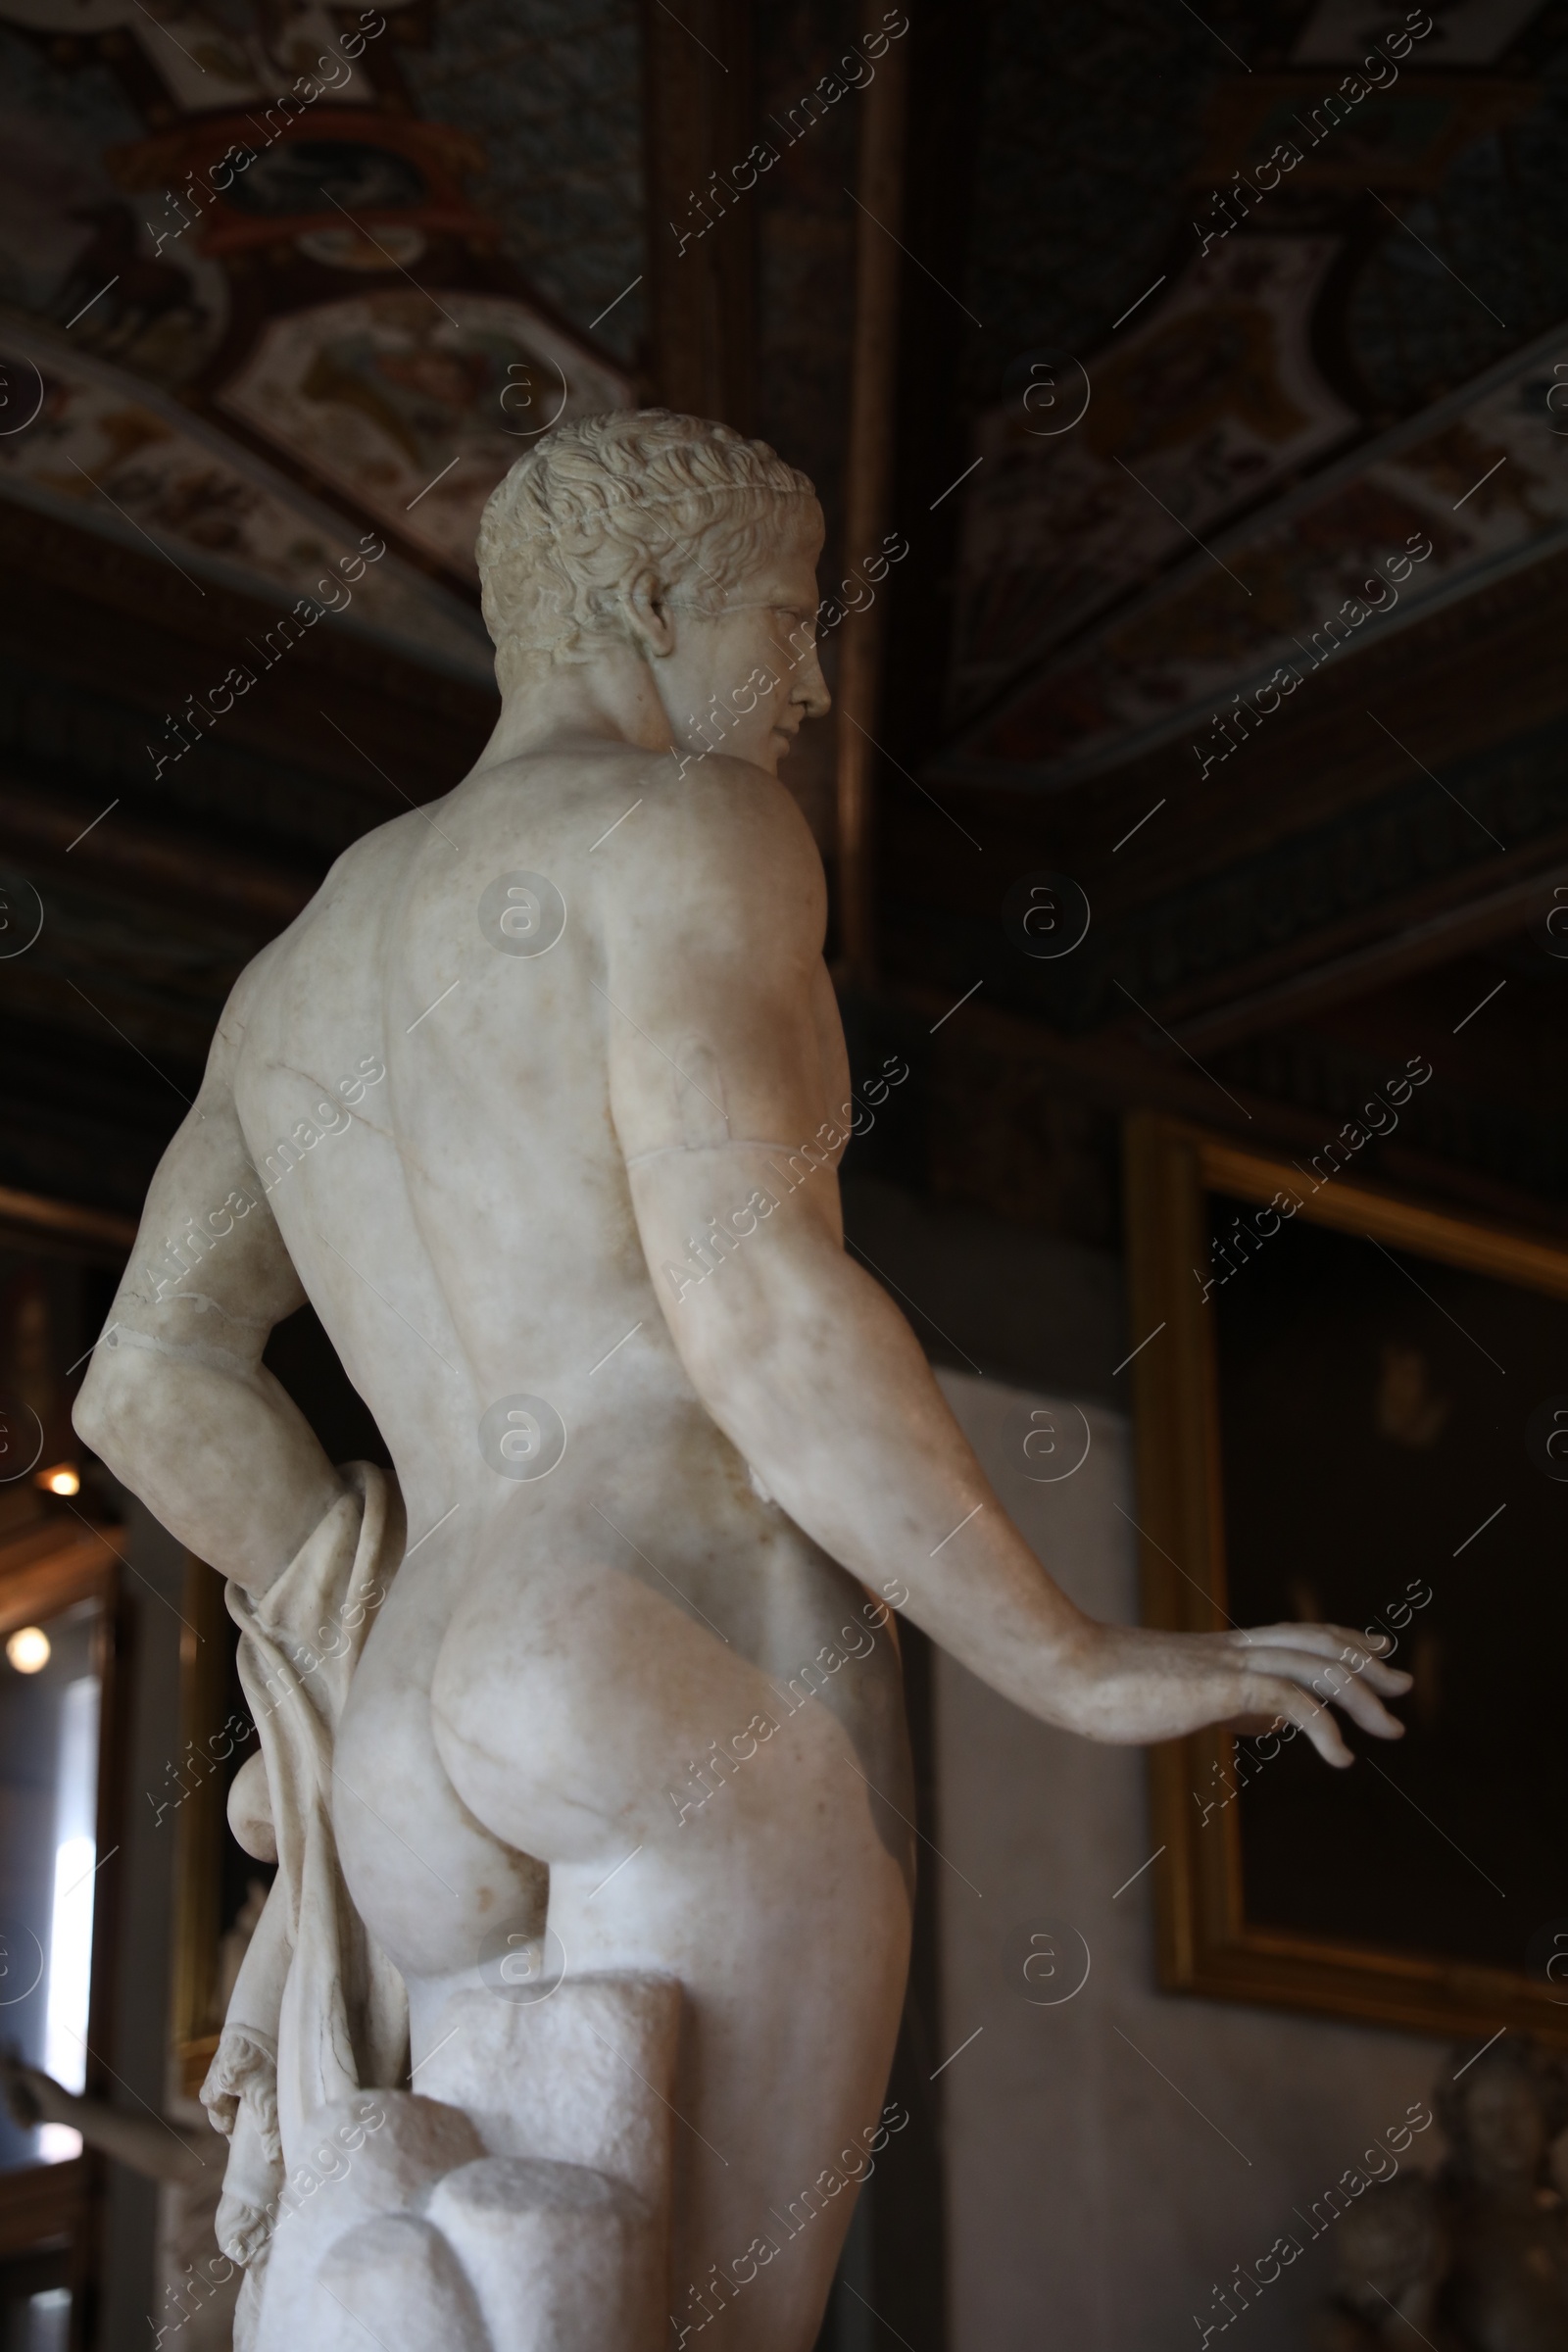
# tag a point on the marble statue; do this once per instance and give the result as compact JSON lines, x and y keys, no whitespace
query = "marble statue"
{"x":567,"y":2024}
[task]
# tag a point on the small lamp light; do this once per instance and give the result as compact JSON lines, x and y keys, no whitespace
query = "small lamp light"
{"x":29,"y":1649}
{"x":63,"y":1479}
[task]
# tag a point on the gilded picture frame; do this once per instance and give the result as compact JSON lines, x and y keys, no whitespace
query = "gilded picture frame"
{"x":1433,"y":1951}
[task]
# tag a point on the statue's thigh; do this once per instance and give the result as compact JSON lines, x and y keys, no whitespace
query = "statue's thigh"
{"x":787,"y":1921}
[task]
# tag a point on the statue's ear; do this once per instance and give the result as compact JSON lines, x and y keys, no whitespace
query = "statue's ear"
{"x":644,"y":601}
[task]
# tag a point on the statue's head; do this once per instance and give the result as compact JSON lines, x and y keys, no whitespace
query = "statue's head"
{"x":677,"y":538}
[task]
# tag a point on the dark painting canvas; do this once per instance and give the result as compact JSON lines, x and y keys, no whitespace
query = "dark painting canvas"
{"x":1391,"y":1460}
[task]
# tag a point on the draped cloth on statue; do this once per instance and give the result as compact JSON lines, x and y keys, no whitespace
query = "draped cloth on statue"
{"x":318,"y":2011}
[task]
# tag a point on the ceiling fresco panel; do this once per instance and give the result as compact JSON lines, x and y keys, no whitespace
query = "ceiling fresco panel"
{"x":105,"y":451}
{"x":1257,"y":246}
{"x":1202,"y":408}
{"x":414,"y":407}
{"x":313,"y":227}
{"x":1476,"y":486}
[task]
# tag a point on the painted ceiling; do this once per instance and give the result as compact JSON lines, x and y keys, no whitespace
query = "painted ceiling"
{"x":1261,"y":302}
{"x":284,"y":289}
{"x":271,"y":271}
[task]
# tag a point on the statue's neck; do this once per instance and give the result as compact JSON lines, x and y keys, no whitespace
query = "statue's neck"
{"x":561,"y":706}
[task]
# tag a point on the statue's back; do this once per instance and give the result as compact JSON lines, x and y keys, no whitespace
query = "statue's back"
{"x":423,"y":1087}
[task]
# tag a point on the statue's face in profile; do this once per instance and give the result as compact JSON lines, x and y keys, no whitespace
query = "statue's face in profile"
{"x":1505,"y":2128}
{"x":740,"y":680}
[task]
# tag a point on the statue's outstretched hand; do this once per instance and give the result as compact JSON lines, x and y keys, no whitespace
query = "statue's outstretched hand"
{"x":1140,"y":1685}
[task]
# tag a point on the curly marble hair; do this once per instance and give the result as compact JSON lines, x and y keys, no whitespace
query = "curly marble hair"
{"x":605,"y":497}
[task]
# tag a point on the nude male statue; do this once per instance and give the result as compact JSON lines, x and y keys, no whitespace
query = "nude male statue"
{"x":660,"y":1445}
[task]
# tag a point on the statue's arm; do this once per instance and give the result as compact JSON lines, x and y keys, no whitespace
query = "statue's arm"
{"x":713,"y":958}
{"x":177,"y":1400}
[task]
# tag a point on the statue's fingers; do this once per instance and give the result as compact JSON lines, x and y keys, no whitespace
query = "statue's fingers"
{"x":1335,"y":1642}
{"x":1285,"y":1699}
{"x":1338,"y":1686}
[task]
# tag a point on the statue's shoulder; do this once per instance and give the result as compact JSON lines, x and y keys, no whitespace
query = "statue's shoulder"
{"x":641,"y":834}
{"x":729,"y":822}
{"x":349,"y":905}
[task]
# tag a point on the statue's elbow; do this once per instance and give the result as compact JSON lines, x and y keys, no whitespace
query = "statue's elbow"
{"x":103,"y":1414}
{"x":89,"y":1420}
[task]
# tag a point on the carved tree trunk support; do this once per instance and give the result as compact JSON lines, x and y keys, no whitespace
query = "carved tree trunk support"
{"x":518,"y":2203}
